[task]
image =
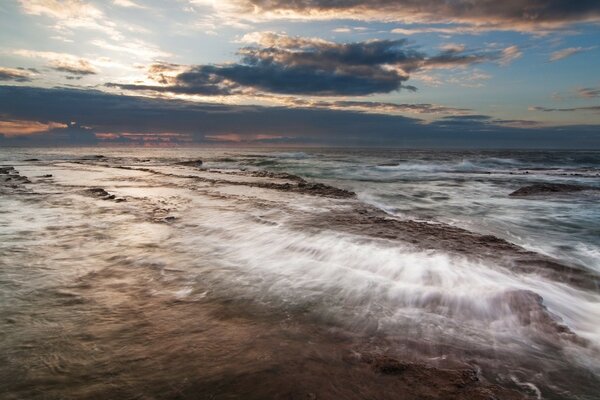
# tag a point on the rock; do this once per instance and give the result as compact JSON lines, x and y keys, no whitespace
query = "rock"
{"x":32,"y":159}
{"x":276,"y":175}
{"x":98,"y":192}
{"x":47,"y":176}
{"x":7,"y":170}
{"x":320,"y":189}
{"x":548,"y":188}
{"x":191,"y":163}
{"x":388,"y":365}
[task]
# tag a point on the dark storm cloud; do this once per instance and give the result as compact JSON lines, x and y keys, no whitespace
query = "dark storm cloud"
{"x":506,"y":14}
{"x":121,"y":116}
{"x":304,"y":66}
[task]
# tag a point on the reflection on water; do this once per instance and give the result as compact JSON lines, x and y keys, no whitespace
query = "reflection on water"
{"x":191,"y":289}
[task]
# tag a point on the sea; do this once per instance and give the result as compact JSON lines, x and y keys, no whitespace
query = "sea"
{"x":164,"y":273}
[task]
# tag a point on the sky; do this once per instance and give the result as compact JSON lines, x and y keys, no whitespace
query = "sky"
{"x":402,"y":73}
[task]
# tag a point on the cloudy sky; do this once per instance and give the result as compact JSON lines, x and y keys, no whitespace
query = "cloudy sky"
{"x":411,"y":73}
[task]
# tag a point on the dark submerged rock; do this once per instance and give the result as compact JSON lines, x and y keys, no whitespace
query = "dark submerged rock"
{"x":191,"y":163}
{"x":7,"y":170}
{"x":388,"y":365}
{"x":320,"y":189}
{"x":102,"y":194}
{"x":32,"y":159}
{"x":548,"y":188}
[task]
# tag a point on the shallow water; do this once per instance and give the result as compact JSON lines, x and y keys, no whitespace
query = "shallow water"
{"x":202,"y":283}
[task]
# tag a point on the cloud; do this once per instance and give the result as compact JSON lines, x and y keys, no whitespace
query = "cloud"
{"x":206,"y":123}
{"x":135,"y":47}
{"x":127,"y":4}
{"x":588,"y":93}
{"x":593,"y":109}
{"x":380,"y":107}
{"x":510,"y":54}
{"x":564,"y":53}
{"x":16,"y":74}
{"x":78,"y":67}
{"x":22,"y":127}
{"x":444,"y":31}
{"x":281,"y":64}
{"x":62,"y":62}
{"x":524,"y":15}
{"x":72,"y":14}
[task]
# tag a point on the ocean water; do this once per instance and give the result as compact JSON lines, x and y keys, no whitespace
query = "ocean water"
{"x":199,"y":282}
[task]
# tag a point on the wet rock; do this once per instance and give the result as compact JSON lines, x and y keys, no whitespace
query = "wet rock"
{"x":225,"y":159}
{"x":7,"y":170}
{"x":32,"y":159}
{"x":320,"y":189}
{"x":370,"y":221}
{"x":191,"y":163}
{"x":529,"y":309}
{"x":98,"y":192}
{"x":102,"y":194}
{"x":47,"y":176}
{"x":388,"y":165}
{"x":548,"y":188}
{"x":276,"y":175}
{"x":387,"y":365}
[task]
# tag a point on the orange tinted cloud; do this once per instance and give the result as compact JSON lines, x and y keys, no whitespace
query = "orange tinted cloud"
{"x":21,"y":127}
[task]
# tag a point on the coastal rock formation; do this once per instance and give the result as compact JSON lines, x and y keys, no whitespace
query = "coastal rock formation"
{"x":10,"y":174}
{"x":102,"y":194}
{"x":368,"y":220}
{"x":191,"y":163}
{"x":548,"y":188}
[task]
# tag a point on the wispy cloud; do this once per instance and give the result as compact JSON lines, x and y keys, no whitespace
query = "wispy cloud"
{"x":16,"y":74}
{"x":568,"y":52}
{"x":510,"y":54}
{"x":62,"y":62}
{"x":135,"y":47}
{"x":127,"y":4}
{"x":588,"y":93}
{"x":379,"y":107}
{"x":72,"y":14}
{"x":10,"y":127}
{"x":592,"y":109}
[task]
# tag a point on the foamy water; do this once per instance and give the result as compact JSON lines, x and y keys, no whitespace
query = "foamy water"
{"x":193,"y":241}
